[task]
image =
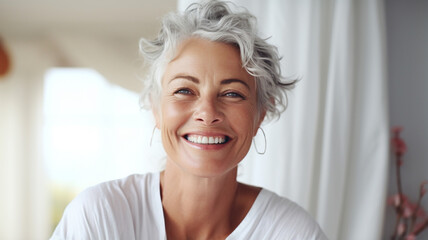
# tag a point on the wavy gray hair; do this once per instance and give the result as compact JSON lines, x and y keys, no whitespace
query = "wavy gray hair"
{"x":213,"y":20}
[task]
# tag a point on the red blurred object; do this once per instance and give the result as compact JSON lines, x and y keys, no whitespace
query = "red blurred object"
{"x":4,"y":60}
{"x":423,"y":190}
{"x":398,"y":143}
{"x":411,"y":217}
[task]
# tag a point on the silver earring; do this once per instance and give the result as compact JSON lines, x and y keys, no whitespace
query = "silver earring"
{"x":255,"y":145}
{"x":151,"y":138}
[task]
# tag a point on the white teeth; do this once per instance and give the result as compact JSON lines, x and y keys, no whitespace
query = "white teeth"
{"x":205,"y":139}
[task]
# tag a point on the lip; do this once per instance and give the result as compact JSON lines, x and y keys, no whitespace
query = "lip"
{"x":208,"y":134}
{"x":207,"y":146}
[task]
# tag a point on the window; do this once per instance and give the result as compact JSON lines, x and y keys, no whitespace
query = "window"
{"x":93,"y":132}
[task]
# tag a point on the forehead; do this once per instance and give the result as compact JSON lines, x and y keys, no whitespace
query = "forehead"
{"x":203,"y":58}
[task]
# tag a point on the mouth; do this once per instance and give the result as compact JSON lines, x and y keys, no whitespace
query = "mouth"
{"x":206,"y":140}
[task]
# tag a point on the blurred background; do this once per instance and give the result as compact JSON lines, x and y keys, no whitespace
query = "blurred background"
{"x":70,"y":116}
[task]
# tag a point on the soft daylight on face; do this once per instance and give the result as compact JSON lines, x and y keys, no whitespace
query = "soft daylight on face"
{"x":208,"y":113}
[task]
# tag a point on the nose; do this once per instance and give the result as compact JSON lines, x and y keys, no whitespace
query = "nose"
{"x":208,"y":112}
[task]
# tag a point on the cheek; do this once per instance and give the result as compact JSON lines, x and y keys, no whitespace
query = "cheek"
{"x":245,"y":119}
{"x":173,"y":115}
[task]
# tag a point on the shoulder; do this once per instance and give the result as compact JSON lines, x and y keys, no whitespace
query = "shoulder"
{"x":94,"y":212}
{"x":287,"y":218}
{"x":114,"y":193}
{"x":283,"y":208}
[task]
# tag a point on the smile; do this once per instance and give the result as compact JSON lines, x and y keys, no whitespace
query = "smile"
{"x":206,"y":140}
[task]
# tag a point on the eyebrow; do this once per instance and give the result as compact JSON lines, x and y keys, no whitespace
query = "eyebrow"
{"x":187,"y":77}
{"x":223,"y":82}
{"x":229,"y":81}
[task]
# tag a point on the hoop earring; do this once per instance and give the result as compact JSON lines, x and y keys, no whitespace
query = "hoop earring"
{"x":255,"y":145}
{"x":151,"y":138}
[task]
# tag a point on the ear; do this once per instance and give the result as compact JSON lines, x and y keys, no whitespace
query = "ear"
{"x":156,"y":111}
{"x":157,"y":116}
{"x":263,"y":115}
{"x":260,"y":120}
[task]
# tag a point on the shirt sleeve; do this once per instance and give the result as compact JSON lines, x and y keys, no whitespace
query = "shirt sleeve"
{"x":77,"y":222}
{"x":93,"y":214}
{"x":295,"y":223}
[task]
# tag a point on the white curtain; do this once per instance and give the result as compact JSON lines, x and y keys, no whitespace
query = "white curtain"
{"x":329,"y":150}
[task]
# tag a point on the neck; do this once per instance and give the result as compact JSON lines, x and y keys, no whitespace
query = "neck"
{"x":199,"y":207}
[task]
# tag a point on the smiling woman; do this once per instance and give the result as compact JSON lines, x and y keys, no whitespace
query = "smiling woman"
{"x":211,"y":84}
{"x":214,"y":98}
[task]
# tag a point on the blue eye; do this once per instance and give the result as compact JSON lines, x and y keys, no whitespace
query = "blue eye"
{"x":183,"y":91}
{"x":233,"y":95}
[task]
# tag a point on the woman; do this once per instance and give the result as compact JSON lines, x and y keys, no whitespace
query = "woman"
{"x":212,"y":83}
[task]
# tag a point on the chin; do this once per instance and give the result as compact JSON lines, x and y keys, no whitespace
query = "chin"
{"x":208,"y":168}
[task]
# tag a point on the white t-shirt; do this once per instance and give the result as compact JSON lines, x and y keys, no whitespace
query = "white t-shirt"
{"x":131,"y":209}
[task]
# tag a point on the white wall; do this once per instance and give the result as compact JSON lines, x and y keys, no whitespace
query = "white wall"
{"x":407,"y":39}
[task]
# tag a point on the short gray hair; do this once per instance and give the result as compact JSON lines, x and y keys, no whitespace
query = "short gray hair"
{"x":213,"y":20}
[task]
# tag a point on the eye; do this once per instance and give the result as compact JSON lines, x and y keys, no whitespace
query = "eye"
{"x":233,"y":95}
{"x":183,"y":91}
